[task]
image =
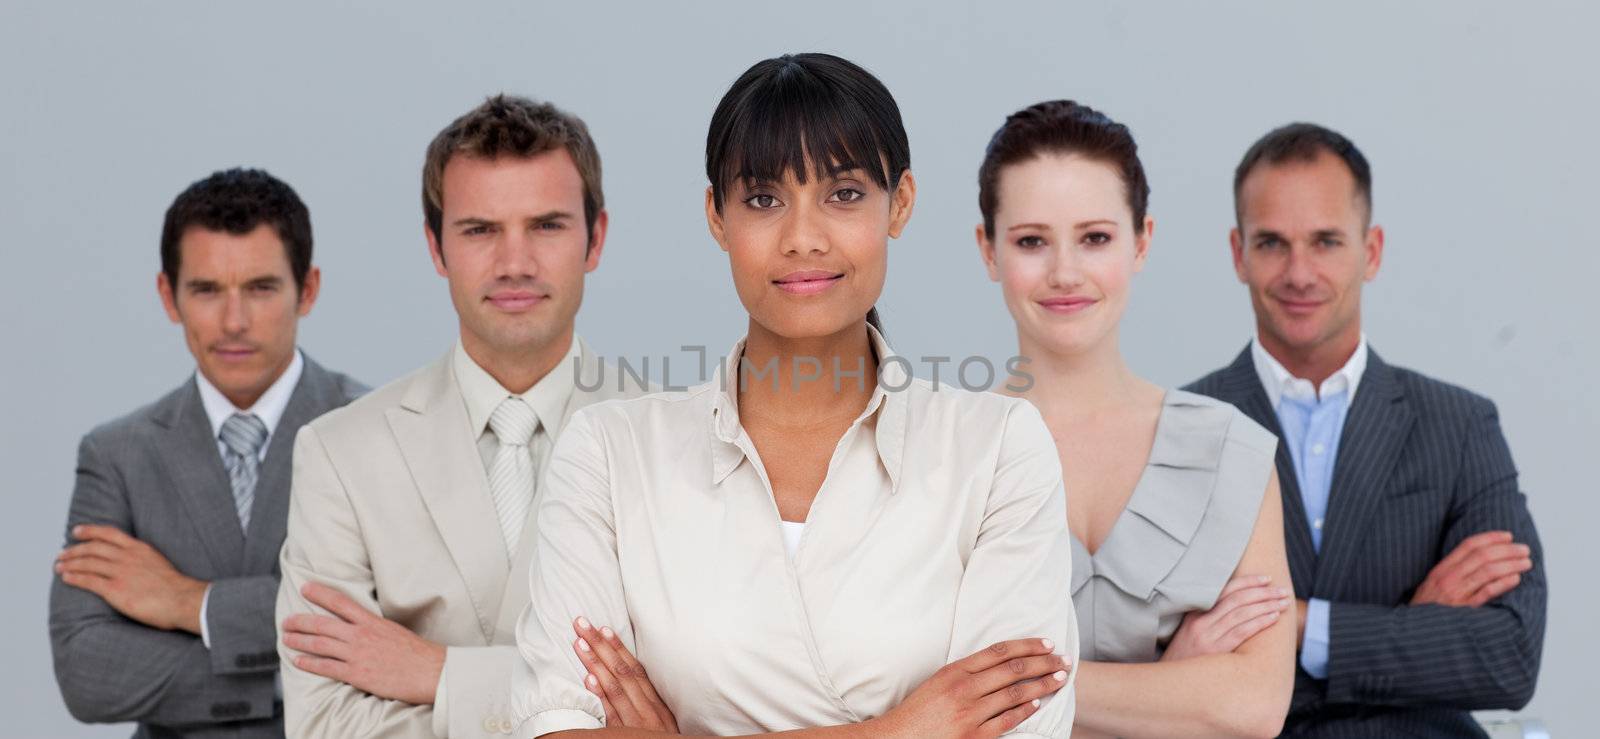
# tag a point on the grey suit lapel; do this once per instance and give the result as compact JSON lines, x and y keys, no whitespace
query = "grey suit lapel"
{"x":1369,"y":446}
{"x":440,"y":450}
{"x":193,"y":464}
{"x":313,"y":395}
{"x":1244,"y":391}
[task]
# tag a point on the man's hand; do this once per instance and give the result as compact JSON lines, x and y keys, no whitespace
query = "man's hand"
{"x":1482,"y":568}
{"x":132,"y":577}
{"x":1300,"y":607}
{"x":363,"y":650}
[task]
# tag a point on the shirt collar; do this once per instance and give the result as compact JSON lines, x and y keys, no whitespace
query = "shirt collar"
{"x":1278,"y":383}
{"x":269,"y":407}
{"x":889,"y":407}
{"x":548,"y":397}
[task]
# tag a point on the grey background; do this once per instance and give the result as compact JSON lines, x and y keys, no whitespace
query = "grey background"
{"x":1478,"y":118}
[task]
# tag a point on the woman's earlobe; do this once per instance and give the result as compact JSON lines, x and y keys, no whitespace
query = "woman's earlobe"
{"x":986,"y":252}
{"x":714,"y":219}
{"x":904,"y":201}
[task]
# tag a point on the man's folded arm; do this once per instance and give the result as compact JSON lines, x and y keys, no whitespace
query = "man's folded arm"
{"x":113,"y":669}
{"x":1459,"y":657}
{"x":324,"y":544}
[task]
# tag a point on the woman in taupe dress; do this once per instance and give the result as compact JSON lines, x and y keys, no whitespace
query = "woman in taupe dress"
{"x":1179,"y":576}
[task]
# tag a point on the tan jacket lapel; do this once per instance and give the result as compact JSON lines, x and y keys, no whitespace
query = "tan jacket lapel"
{"x":436,"y":440}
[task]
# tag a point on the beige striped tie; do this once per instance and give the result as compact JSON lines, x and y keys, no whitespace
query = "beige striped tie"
{"x":511,"y":475}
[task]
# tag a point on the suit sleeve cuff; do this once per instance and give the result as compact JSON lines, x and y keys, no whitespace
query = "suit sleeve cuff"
{"x":205,"y":628}
{"x":441,"y":707}
{"x":1314,"y":649}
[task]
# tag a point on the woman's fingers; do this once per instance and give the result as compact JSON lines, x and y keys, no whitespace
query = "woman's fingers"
{"x":1244,"y":630}
{"x":636,"y":669}
{"x":1020,"y":694}
{"x":593,"y":684}
{"x":1016,"y":670}
{"x":611,"y":687}
{"x":1241,"y":582}
{"x":1008,"y":720}
{"x":623,"y":686}
{"x":1246,"y":611}
{"x":999,"y":652}
{"x":1246,"y":596}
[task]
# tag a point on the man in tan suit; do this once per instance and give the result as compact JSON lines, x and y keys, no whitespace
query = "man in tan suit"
{"x":406,"y":562}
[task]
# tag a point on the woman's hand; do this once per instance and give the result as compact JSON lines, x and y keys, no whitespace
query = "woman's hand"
{"x":1247,"y":606}
{"x":984,"y":695}
{"x":620,"y":681}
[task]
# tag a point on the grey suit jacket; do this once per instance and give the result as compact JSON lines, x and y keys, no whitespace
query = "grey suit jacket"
{"x":156,"y":474}
{"x":1422,"y":465}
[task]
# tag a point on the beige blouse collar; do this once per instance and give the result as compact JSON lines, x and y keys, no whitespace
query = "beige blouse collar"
{"x":888,"y":403}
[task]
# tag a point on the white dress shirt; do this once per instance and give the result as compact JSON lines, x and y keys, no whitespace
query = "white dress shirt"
{"x":939,"y":530}
{"x":1278,"y":383}
{"x":269,"y":408}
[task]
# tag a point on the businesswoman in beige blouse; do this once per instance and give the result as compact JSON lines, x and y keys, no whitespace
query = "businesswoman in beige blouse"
{"x":793,"y":546}
{"x":1179,"y":574}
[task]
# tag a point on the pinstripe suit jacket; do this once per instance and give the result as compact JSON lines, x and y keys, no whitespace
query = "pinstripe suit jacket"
{"x":1422,"y":465}
{"x":156,"y":474}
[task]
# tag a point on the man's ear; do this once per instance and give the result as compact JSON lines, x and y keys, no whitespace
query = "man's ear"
{"x":1374,"y":252}
{"x":169,"y":300}
{"x":714,"y":218}
{"x":435,"y":250}
{"x":597,"y":241}
{"x":310,"y":290}
{"x":1236,"y":244}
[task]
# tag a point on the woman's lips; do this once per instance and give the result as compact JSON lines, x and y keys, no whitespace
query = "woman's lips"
{"x":808,"y":282}
{"x":1066,"y":305}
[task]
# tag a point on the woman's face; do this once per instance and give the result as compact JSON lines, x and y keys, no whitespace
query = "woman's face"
{"x":809,"y":259}
{"x":1064,"y":250}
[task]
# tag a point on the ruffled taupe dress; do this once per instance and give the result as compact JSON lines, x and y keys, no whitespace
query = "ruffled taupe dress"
{"x":1181,"y":535}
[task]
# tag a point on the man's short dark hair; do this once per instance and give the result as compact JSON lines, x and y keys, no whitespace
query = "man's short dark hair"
{"x":1302,"y":142}
{"x":237,"y":201}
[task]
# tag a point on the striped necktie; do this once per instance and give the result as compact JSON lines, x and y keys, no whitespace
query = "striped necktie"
{"x":511,"y":476}
{"x":243,"y":435}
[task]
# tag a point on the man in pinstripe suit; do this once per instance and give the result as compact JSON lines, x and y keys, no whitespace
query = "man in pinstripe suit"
{"x":1417,"y":568}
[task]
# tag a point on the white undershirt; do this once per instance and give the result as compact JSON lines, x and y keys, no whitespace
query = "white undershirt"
{"x":791,"y":535}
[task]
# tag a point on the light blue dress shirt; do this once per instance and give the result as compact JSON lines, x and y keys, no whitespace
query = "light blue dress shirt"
{"x":1312,"y":420}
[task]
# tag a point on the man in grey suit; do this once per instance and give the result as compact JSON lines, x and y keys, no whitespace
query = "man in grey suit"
{"x":161,"y":609}
{"x":410,"y":526}
{"x":1418,"y":571}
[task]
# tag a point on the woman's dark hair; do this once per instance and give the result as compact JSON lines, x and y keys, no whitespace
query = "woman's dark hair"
{"x":1062,"y":127}
{"x":237,"y":201}
{"x":809,"y":115}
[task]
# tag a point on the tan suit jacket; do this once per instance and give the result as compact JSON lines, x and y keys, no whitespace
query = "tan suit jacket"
{"x":390,"y":504}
